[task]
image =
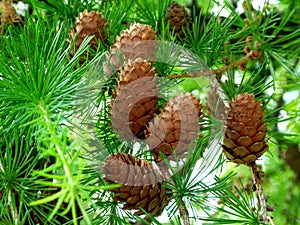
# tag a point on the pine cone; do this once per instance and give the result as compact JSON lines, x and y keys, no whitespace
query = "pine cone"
{"x":88,"y":24}
{"x":176,"y":127}
{"x":141,"y":188}
{"x":135,"y":99}
{"x":246,"y":130}
{"x":178,"y":18}
{"x":131,"y":44}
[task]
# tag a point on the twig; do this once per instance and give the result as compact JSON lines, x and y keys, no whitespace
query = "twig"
{"x":256,"y":176}
{"x":237,"y":63}
{"x":184,"y":214}
{"x":14,"y":212}
{"x":270,"y":220}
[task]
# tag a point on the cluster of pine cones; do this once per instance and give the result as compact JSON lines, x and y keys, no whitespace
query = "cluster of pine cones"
{"x":94,"y":24}
{"x":169,"y":131}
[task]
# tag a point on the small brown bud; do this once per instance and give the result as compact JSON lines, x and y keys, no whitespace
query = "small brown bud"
{"x":261,"y":174}
{"x":270,"y":208}
{"x":255,"y":53}
{"x":248,"y":39}
{"x":227,"y":43}
{"x":226,"y":60}
{"x":243,"y":66}
{"x":257,"y":44}
{"x":247,"y":22}
{"x":247,"y":49}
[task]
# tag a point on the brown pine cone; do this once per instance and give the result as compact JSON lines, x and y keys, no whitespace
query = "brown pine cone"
{"x":178,"y":18}
{"x":140,"y":183}
{"x":177,"y":126}
{"x":136,"y":42}
{"x":246,"y":130}
{"x":88,"y":24}
{"x":135,"y":98}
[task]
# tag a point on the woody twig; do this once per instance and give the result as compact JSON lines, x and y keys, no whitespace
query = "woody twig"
{"x":237,"y":63}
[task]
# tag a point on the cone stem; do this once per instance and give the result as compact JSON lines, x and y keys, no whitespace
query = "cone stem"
{"x":256,"y":176}
{"x":184,"y":214}
{"x":142,"y":223}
